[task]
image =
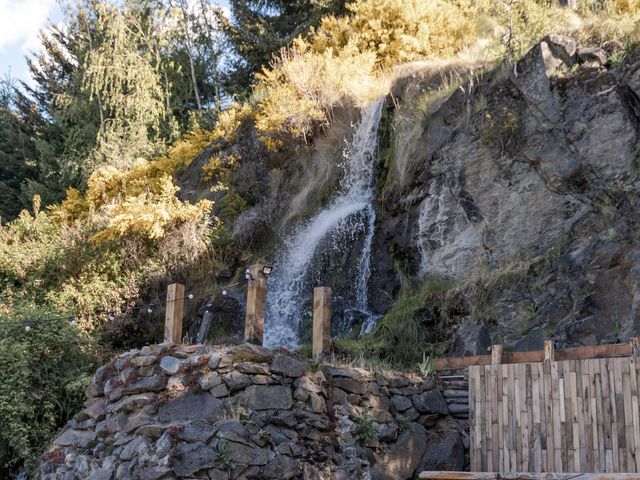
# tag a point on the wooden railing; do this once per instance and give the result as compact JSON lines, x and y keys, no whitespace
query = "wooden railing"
{"x":549,"y":354}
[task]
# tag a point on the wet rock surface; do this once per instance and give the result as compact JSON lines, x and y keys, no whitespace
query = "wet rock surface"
{"x":281,"y":419}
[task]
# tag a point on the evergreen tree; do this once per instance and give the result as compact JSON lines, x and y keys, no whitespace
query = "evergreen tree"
{"x":115,"y":82}
{"x":259,"y":28}
{"x":14,"y":169}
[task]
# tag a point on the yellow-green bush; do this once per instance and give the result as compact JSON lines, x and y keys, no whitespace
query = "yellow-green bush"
{"x":398,"y":31}
{"x":297,"y":95}
{"x":98,"y":249}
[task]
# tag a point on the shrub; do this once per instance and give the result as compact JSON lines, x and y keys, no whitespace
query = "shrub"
{"x":43,"y":374}
{"x":297,"y":95}
{"x":398,"y":31}
{"x":365,"y":428}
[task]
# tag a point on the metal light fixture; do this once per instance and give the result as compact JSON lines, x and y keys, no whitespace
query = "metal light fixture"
{"x":224,"y":292}
{"x":190,"y":296}
{"x":73,"y":321}
{"x":267,"y":270}
{"x":27,"y":328}
{"x":150,"y":309}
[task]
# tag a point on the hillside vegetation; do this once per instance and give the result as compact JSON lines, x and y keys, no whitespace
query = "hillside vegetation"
{"x":133,"y":102}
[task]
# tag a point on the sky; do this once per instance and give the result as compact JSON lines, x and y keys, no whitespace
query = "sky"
{"x":20,"y":21}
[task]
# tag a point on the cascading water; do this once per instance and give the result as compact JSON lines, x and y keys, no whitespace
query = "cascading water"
{"x":349,"y":216}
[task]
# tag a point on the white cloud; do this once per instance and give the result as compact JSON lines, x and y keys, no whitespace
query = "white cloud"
{"x":20,"y":21}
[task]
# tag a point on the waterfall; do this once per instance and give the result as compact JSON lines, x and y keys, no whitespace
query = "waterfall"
{"x":348,"y":215}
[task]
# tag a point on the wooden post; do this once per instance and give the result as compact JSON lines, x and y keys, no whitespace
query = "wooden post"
{"x":321,"y":321}
{"x":496,"y":354}
{"x":635,"y":346}
{"x":256,"y":297}
{"x":174,"y":313}
{"x":549,"y":351}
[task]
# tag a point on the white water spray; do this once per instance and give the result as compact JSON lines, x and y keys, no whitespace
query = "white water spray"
{"x":350,"y":212}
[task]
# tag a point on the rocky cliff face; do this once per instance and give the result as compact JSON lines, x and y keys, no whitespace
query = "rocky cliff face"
{"x":519,"y":186}
{"x":532,"y":174}
{"x":248,"y":412}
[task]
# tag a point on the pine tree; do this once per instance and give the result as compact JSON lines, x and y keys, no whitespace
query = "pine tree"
{"x":14,"y":169}
{"x":259,"y":28}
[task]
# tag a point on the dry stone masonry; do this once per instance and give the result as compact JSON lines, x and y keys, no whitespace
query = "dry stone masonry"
{"x":246,"y":412}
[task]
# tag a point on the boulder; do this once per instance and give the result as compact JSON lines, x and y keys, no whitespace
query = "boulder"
{"x":236,"y":381}
{"x":242,"y":454}
{"x":132,"y":402}
{"x":196,"y":431}
{"x":144,"y":361}
{"x":209,"y":380}
{"x":251,"y":368}
{"x":170,"y":365}
{"x":471,"y":339}
{"x":191,"y":406}
{"x":219,"y":391}
{"x":350,"y":385}
{"x":443,"y":454}
{"x":430,"y":401}
{"x":154,"y":383}
{"x":268,"y":397}
{"x":76,"y":438}
{"x":248,"y":352}
{"x":288,"y":366}
{"x":403,"y":457}
{"x":592,"y":57}
{"x":401,"y":403}
{"x":192,"y":457}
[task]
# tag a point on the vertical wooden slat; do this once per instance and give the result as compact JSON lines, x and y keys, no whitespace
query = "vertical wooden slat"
{"x":613,"y":414}
{"x":512,"y":442}
{"x":501,"y":413}
{"x":620,"y":411}
{"x":588,"y":428}
{"x":517,"y":408}
{"x":575,"y":412}
{"x":495,"y":435}
{"x":597,"y":379}
{"x":581,"y":423}
{"x":593,"y":410}
{"x":472,"y":418}
{"x":628,"y":415}
{"x":606,"y":417}
{"x":557,"y":430}
{"x":506,"y":416}
{"x":486,"y":427}
{"x":536,"y":418}
{"x":529,"y":418}
{"x":635,"y":408}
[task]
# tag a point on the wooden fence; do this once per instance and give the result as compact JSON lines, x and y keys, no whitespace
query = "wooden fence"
{"x":556,"y":416}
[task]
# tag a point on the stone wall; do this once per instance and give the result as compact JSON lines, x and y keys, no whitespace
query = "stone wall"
{"x":246,"y":412}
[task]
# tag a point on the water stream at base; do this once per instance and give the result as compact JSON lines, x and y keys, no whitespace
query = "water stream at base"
{"x":349,"y":214}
